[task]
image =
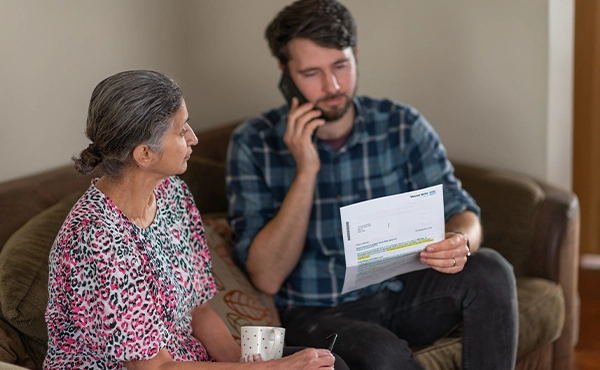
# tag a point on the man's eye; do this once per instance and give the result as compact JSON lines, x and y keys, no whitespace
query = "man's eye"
{"x":184,"y":131}
{"x":340,"y":66}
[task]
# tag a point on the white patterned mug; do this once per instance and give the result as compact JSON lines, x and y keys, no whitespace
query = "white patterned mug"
{"x":266,"y":340}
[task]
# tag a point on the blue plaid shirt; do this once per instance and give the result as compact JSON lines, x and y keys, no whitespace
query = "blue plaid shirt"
{"x":392,"y":149}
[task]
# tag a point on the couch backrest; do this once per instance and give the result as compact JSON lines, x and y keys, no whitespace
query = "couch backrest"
{"x":23,"y":198}
{"x":213,"y":143}
{"x":509,"y":207}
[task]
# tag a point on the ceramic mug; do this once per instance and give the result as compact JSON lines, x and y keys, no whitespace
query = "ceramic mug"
{"x":266,"y":340}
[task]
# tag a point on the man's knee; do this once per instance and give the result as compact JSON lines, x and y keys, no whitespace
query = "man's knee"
{"x":492,"y":272}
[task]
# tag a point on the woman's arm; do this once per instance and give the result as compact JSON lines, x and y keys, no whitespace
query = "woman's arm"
{"x":307,"y":359}
{"x":211,"y":331}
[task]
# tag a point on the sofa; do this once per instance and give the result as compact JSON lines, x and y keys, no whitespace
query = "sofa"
{"x":533,"y":224}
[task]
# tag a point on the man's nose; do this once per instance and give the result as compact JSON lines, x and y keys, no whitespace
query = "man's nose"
{"x":331,"y":85}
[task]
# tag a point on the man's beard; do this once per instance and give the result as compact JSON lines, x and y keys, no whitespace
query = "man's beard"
{"x":336,"y":113}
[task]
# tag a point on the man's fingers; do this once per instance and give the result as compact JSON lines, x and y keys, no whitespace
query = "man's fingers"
{"x":297,"y":111}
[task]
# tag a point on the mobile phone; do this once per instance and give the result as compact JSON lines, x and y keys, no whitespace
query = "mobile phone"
{"x":288,"y":88}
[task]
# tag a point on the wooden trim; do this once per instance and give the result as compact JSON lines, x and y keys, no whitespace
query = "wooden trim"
{"x":586,"y":120}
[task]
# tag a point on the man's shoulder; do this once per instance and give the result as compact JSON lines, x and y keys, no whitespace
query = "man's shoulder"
{"x":265,"y":122}
{"x":384,"y":109}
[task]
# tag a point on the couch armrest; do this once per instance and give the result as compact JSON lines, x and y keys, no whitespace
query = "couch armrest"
{"x":536,"y":227}
{"x":555,"y":239}
{"x":555,"y":256}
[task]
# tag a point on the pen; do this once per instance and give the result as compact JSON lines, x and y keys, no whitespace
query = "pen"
{"x":334,"y":336}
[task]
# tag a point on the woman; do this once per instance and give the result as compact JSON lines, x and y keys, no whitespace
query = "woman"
{"x":130,"y":274}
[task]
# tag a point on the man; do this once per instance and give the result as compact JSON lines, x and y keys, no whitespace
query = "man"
{"x":285,"y":190}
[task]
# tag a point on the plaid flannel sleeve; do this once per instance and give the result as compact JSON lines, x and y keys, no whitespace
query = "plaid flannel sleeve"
{"x":430,"y":165}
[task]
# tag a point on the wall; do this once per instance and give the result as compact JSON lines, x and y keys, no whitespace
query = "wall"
{"x":492,"y":76}
{"x":52,"y":56}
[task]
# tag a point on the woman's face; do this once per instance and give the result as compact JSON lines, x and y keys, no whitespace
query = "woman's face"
{"x":177,"y":145}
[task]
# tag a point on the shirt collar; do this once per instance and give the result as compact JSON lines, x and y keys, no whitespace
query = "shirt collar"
{"x":359,"y":130}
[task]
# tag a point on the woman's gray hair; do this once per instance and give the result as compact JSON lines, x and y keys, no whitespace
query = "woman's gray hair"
{"x":126,"y":110}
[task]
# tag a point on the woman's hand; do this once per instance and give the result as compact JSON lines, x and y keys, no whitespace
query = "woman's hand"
{"x":256,"y":357}
{"x":308,"y":359}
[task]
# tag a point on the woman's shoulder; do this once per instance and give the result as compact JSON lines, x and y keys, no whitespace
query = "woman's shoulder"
{"x":92,"y":223}
{"x":171,"y":184}
{"x":174,"y":195}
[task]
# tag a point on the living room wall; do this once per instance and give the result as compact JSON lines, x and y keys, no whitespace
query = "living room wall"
{"x":493,"y":77}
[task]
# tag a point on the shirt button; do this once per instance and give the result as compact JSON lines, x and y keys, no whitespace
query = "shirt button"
{"x":340,"y":233}
{"x":339,"y":197}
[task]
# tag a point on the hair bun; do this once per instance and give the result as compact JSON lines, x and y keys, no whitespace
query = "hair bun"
{"x":94,"y":151}
{"x":88,"y":160}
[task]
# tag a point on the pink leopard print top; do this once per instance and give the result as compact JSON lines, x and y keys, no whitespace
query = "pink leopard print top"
{"x":120,"y":293}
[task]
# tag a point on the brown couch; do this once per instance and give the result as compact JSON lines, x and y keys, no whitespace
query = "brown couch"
{"x":534,"y":225}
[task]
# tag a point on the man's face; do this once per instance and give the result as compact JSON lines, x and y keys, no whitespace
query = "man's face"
{"x":325,"y":76}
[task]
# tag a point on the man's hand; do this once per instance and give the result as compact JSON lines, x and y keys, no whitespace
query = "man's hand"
{"x":302,"y":122}
{"x":448,"y":256}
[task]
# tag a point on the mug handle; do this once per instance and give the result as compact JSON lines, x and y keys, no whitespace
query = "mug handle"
{"x":275,"y":344}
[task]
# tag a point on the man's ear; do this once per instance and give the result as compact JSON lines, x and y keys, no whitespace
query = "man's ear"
{"x":281,"y":66}
{"x":356,"y":50}
{"x":143,"y":155}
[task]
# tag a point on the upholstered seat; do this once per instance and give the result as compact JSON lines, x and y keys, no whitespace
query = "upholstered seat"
{"x":534,"y":225}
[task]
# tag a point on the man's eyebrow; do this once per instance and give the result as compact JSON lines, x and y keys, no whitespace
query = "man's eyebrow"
{"x":312,"y":69}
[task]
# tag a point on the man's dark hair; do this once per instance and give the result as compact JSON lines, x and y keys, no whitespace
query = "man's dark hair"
{"x":325,"y":22}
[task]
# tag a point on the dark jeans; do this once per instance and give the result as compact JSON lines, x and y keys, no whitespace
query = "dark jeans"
{"x":376,"y":332}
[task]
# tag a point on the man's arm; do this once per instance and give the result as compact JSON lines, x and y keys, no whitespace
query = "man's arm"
{"x":463,"y":229}
{"x":276,"y":248}
{"x":466,"y":225}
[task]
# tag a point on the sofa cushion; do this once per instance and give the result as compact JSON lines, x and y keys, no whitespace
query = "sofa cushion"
{"x":238,"y":303}
{"x":12,"y":349}
{"x":541,"y":319}
{"x":24,"y":274}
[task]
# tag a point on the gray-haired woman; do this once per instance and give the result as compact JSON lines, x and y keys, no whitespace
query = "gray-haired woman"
{"x":130,"y":273}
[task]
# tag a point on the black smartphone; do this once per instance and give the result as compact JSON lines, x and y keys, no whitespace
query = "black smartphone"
{"x":288,"y":88}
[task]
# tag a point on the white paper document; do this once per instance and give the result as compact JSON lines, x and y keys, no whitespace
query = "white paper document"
{"x":383,"y":236}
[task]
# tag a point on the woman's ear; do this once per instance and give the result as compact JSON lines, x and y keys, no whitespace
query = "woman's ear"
{"x":143,"y":155}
